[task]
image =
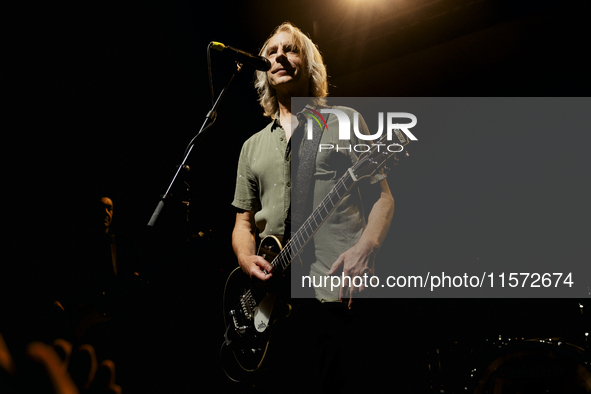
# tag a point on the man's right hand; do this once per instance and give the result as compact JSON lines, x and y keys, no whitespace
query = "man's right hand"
{"x":256,"y":267}
{"x":243,"y":242}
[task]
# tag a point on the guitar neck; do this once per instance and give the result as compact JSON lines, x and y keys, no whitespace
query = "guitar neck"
{"x":366,"y":166}
{"x":303,"y":235}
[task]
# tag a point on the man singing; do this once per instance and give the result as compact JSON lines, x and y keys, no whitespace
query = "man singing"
{"x":349,"y":239}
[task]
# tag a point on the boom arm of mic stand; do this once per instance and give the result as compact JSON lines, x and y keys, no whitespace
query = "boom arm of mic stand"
{"x":209,"y":119}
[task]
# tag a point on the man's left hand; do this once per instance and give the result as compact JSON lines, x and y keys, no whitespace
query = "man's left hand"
{"x":355,"y":262}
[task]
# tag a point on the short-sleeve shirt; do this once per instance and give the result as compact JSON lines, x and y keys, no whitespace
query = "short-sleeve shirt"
{"x":263,"y":185}
{"x":263,"y":179}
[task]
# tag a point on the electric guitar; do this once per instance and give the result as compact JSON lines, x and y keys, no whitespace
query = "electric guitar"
{"x":251,"y":309}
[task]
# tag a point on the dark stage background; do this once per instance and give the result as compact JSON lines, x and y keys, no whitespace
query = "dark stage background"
{"x":103,"y":99}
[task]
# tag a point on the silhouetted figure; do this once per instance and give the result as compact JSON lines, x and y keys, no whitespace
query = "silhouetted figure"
{"x":102,"y":270}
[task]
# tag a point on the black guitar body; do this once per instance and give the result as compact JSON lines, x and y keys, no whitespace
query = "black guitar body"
{"x":251,"y":308}
{"x":249,"y":311}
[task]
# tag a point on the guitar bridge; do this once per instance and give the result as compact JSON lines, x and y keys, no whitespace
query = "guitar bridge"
{"x":243,"y":318}
{"x":239,"y":329}
{"x":248,"y":304}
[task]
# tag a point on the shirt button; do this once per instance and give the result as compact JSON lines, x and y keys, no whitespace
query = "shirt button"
{"x":288,"y":184}
{"x":281,"y":139}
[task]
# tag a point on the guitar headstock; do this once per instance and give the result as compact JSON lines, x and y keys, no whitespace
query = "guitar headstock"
{"x":380,"y":152}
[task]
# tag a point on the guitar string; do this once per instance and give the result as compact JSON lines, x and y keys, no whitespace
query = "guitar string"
{"x":311,"y":225}
{"x":285,"y":256}
{"x":316,"y":214}
{"x":298,"y":239}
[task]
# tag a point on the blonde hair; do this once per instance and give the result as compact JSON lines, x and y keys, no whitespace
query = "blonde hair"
{"x":315,"y":68}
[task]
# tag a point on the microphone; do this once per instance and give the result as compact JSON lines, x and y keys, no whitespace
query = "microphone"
{"x":259,"y":62}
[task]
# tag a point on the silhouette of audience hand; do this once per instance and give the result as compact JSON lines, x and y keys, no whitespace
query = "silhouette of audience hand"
{"x":57,"y":369}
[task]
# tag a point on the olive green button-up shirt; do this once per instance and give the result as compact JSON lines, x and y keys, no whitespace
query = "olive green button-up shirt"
{"x":263,"y":180}
{"x":263,"y":185}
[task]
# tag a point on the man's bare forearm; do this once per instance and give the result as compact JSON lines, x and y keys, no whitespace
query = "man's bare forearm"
{"x":379,"y":220}
{"x":244,"y":245}
{"x":243,"y":238}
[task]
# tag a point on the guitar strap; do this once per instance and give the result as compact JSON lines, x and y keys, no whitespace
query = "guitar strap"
{"x":303,"y":166}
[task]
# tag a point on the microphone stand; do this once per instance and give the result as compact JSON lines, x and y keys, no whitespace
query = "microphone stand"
{"x":209,"y":120}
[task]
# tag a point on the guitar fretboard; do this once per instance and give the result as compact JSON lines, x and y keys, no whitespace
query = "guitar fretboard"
{"x":301,"y":237}
{"x":367,"y":165}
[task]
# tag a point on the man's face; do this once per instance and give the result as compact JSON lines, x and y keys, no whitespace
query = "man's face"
{"x":107,"y":212}
{"x":287,"y":70}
